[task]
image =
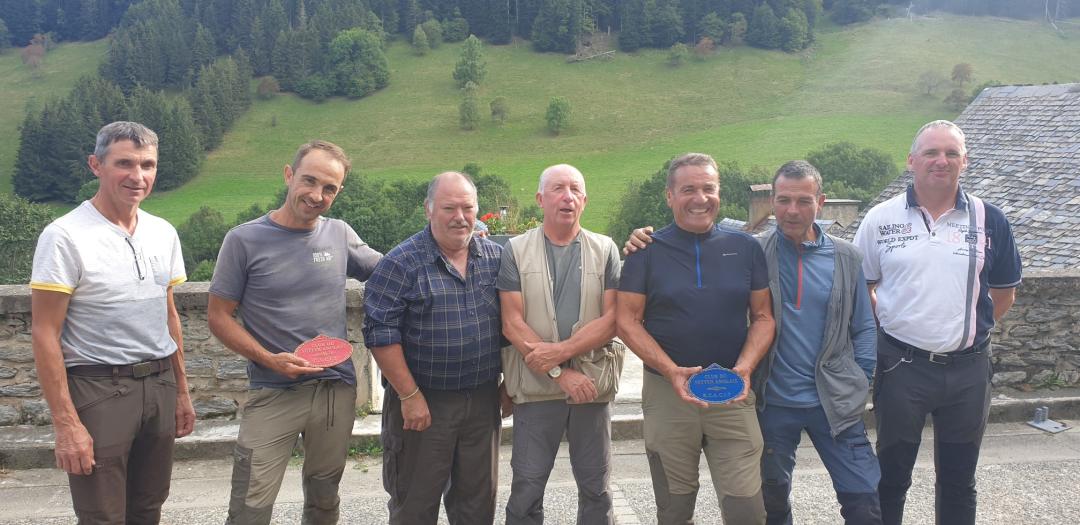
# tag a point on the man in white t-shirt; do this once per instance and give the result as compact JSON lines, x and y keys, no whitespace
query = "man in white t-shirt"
{"x":107,"y":338}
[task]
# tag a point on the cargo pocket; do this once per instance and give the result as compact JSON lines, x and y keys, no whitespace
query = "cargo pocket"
{"x":392,"y":445}
{"x":659,"y":479}
{"x":241,"y":479}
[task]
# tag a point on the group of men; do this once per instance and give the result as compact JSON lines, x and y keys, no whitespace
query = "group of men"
{"x":465,"y":331}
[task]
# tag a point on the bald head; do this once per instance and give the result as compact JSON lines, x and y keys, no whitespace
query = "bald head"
{"x":561,"y":196}
{"x":559,"y":169}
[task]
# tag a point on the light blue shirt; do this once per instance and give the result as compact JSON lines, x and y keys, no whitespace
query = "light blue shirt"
{"x":806,"y":275}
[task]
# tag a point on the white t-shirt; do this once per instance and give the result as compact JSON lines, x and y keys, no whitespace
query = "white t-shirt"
{"x":118,"y":283}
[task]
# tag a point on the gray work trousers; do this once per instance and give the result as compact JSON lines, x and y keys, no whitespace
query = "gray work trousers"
{"x":455,"y":459}
{"x":538,"y":430}
{"x":321,"y":413}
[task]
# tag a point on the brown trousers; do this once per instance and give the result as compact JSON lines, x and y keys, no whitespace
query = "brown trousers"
{"x":133,"y":424}
{"x":455,"y":459}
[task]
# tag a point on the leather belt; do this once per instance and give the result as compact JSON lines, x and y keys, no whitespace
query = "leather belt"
{"x":939,"y":358}
{"x":137,"y":370}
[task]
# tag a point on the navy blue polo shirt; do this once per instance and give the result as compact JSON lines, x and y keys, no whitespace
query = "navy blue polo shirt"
{"x":697,"y":292}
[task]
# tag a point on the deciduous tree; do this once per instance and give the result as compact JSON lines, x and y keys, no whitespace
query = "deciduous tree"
{"x":558,"y":115}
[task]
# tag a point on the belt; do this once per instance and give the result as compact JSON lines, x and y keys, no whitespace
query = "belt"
{"x":939,"y":358}
{"x":137,"y":370}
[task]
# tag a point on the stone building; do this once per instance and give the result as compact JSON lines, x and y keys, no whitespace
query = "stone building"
{"x":1024,"y":157}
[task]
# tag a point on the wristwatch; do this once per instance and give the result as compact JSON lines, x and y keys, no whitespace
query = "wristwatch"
{"x":554,"y":373}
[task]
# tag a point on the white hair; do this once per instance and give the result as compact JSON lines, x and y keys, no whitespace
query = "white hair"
{"x":556,"y":168}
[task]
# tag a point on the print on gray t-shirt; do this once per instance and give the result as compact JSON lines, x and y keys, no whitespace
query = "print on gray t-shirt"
{"x":291,"y":287}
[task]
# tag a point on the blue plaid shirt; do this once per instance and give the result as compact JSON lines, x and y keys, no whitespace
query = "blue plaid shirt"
{"x":448,"y":325}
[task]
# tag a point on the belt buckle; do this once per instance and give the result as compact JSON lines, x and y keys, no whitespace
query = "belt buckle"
{"x":142,"y":369}
{"x":938,"y":358}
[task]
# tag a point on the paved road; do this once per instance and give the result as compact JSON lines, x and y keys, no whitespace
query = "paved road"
{"x":1025,"y":476}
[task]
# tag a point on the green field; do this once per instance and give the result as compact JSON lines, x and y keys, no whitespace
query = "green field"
{"x":633,"y":112}
{"x":21,"y":87}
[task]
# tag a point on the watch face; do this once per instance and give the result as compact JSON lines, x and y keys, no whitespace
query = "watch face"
{"x":555,"y":372}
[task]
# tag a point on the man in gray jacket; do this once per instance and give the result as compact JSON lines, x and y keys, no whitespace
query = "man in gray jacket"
{"x":815,"y":378}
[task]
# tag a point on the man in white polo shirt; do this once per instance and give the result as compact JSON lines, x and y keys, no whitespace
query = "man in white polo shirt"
{"x":942,"y":268}
{"x":106,"y":337}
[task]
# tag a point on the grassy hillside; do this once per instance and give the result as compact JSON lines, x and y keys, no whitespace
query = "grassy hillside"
{"x":633,"y":112}
{"x":58,"y":71}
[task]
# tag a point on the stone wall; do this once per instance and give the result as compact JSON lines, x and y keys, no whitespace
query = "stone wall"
{"x":1036,"y":345}
{"x":217,"y":376}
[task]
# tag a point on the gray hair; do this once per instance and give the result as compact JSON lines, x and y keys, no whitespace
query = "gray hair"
{"x":433,"y":186}
{"x":552,"y":169}
{"x":689,"y":159}
{"x":798,"y":170}
{"x":939,"y":124}
{"x":109,"y":134}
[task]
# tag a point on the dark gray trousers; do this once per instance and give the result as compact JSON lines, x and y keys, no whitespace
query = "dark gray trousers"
{"x":956,"y":394}
{"x":455,"y":459}
{"x":538,"y":430}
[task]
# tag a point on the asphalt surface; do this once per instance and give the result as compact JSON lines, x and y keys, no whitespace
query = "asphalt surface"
{"x":1025,"y":477}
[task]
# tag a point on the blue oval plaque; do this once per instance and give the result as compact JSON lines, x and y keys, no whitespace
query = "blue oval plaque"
{"x":716,"y":384}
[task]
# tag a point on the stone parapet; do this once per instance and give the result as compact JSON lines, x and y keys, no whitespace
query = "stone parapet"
{"x":217,"y":377}
{"x":1037,"y":345}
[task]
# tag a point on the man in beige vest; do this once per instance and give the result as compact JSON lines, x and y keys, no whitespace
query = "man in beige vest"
{"x":557,"y":285}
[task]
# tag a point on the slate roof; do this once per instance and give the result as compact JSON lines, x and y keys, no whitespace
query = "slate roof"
{"x":1024,"y":157}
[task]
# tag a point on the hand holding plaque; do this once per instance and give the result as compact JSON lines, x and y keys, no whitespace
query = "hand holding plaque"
{"x":324,"y":351}
{"x":716,"y":384}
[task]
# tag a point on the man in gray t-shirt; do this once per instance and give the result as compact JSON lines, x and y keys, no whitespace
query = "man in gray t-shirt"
{"x":286,"y":272}
{"x":557,"y":286}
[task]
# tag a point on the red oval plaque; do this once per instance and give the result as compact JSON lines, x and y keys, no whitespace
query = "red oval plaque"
{"x":324,"y":351}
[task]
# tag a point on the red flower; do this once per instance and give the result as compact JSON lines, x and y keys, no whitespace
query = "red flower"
{"x":487,"y":217}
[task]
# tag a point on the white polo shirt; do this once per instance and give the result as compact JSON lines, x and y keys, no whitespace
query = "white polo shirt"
{"x":933,"y":277}
{"x":118,"y":282}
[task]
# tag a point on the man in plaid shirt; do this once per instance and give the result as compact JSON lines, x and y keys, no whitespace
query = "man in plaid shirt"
{"x":432,"y":323}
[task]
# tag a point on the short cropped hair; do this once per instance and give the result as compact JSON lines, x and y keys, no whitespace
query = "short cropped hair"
{"x":109,"y":134}
{"x":939,"y":124}
{"x":689,"y":159}
{"x":797,"y":170}
{"x":330,"y":148}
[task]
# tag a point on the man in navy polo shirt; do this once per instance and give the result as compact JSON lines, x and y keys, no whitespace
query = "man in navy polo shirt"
{"x":683,"y":304}
{"x":942,"y":268}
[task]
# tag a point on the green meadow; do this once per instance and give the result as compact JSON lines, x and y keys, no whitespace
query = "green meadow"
{"x":19,"y":88}
{"x":630,"y":113}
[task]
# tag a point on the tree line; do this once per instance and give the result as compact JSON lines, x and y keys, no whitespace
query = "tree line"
{"x":55,"y":141}
{"x":383,"y":212}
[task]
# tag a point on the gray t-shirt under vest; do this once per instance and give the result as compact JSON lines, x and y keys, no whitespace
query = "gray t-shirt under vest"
{"x":291,"y":287}
{"x":564,"y":264}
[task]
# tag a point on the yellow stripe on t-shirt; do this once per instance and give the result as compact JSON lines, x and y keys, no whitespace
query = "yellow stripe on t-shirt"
{"x":178,"y":280}
{"x":52,"y":287}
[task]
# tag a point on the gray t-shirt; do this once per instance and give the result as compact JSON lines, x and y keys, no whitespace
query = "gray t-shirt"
{"x":291,"y":287}
{"x":564,"y":264}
